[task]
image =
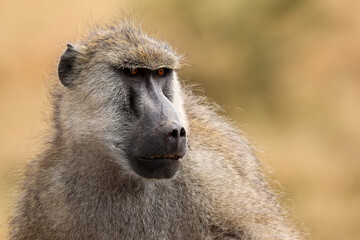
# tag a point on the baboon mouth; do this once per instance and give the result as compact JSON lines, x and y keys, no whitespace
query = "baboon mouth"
{"x":168,"y":157}
{"x":158,"y":167}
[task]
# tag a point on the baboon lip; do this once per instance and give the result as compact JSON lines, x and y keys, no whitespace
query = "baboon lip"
{"x":154,"y":158}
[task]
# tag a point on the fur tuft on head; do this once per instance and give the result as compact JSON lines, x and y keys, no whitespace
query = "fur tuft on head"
{"x":125,"y":45}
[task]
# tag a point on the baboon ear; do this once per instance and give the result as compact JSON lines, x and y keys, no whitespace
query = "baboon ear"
{"x":66,"y":66}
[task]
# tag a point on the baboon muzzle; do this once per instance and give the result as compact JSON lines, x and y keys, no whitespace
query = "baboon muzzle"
{"x":160,"y":140}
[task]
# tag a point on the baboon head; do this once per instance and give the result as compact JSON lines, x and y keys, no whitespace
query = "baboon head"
{"x":121,"y":91}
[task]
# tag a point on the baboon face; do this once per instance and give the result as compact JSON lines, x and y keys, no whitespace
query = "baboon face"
{"x":137,"y":109}
{"x":158,"y":139}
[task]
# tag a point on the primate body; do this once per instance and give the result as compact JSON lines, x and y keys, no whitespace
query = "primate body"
{"x":135,"y":155}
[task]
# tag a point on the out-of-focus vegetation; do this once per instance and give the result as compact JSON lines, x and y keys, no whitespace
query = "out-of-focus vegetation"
{"x":287,"y":71}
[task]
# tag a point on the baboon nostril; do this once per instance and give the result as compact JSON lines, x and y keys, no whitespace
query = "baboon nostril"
{"x":174,"y":133}
{"x":182,"y":132}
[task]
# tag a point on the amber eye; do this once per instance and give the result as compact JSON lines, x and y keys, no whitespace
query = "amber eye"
{"x":134,"y":71}
{"x":160,"y":72}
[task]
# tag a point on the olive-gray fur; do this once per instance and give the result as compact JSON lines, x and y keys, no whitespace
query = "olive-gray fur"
{"x":81,"y":186}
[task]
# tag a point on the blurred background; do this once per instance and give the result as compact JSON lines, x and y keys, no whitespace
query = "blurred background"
{"x":286,"y":71}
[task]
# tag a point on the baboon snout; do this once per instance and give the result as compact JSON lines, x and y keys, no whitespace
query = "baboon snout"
{"x":158,"y":150}
{"x":159,"y":139}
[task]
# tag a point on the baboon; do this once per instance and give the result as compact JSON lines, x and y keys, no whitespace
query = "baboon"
{"x":135,"y":154}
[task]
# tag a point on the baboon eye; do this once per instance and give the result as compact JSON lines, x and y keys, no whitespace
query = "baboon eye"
{"x":161,"y":72}
{"x":132,"y":72}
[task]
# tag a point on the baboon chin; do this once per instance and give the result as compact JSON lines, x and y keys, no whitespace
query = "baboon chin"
{"x":120,"y":115}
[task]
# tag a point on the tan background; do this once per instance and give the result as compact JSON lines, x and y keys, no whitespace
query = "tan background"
{"x":287,"y":71}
